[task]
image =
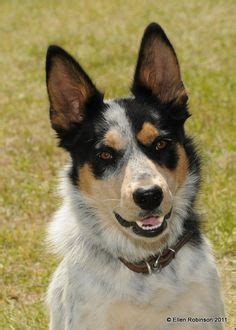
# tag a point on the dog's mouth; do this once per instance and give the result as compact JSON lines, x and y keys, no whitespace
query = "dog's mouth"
{"x":148,"y":227}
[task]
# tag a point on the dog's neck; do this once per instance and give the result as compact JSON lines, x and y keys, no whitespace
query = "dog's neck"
{"x":156,"y":263}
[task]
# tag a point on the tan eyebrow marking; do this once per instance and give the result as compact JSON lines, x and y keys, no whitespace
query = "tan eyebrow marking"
{"x":114,"y":139}
{"x":147,"y":134}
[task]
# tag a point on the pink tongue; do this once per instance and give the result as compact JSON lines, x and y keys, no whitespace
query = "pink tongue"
{"x":151,"y":221}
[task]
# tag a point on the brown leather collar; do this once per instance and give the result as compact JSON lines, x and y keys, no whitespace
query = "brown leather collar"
{"x":156,"y":263}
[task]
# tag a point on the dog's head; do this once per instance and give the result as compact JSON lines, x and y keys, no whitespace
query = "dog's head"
{"x":131,"y":163}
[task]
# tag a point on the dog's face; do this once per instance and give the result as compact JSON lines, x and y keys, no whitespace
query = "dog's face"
{"x":129,"y":159}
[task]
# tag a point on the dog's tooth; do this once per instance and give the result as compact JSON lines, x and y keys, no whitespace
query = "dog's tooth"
{"x":147,"y":228}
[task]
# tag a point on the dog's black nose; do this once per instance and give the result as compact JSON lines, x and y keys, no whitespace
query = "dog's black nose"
{"x":148,"y":199}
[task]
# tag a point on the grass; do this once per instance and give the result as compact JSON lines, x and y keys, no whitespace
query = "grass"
{"x":105,"y":37}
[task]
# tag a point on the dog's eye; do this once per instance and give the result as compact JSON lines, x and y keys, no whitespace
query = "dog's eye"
{"x":105,"y":155}
{"x":161,"y":144}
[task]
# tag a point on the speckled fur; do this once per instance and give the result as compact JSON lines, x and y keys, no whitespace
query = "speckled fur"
{"x":91,"y":288}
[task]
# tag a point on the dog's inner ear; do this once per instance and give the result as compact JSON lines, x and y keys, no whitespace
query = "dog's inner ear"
{"x":157,"y":71}
{"x":69,"y":89}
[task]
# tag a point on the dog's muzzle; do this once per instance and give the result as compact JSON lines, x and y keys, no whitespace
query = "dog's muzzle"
{"x":148,"y":227}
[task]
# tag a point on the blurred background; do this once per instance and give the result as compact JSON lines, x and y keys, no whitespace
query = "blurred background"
{"x":104,"y":36}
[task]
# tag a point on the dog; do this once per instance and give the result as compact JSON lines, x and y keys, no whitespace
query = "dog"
{"x":133,"y":254}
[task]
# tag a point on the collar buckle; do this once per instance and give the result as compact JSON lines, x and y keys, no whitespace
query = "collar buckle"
{"x":156,"y":267}
{"x":172,"y":251}
{"x":156,"y":263}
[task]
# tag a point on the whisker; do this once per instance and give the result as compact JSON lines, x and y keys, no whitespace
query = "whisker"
{"x":111,"y":199}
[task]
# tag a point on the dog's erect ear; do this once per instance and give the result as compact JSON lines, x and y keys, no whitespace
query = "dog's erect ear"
{"x":157,"y":70}
{"x":69,"y":88}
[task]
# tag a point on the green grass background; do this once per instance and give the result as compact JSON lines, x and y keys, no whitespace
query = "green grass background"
{"x":104,"y":36}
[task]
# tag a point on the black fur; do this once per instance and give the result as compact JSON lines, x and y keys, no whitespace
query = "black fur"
{"x":169,"y":117}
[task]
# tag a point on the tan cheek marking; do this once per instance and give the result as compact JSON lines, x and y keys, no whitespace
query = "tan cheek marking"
{"x":104,"y":192}
{"x":182,"y":168}
{"x":147,"y":134}
{"x":179,"y":174}
{"x":176,"y":177}
{"x":85,"y":179}
{"x":114,"y":139}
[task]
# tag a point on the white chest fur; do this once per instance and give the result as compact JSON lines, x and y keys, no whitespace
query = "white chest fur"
{"x":104,"y":294}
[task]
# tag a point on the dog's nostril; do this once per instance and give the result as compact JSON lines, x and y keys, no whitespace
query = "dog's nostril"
{"x":148,"y":199}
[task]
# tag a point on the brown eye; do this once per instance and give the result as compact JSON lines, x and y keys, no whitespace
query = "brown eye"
{"x":161,"y":144}
{"x":105,"y":155}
